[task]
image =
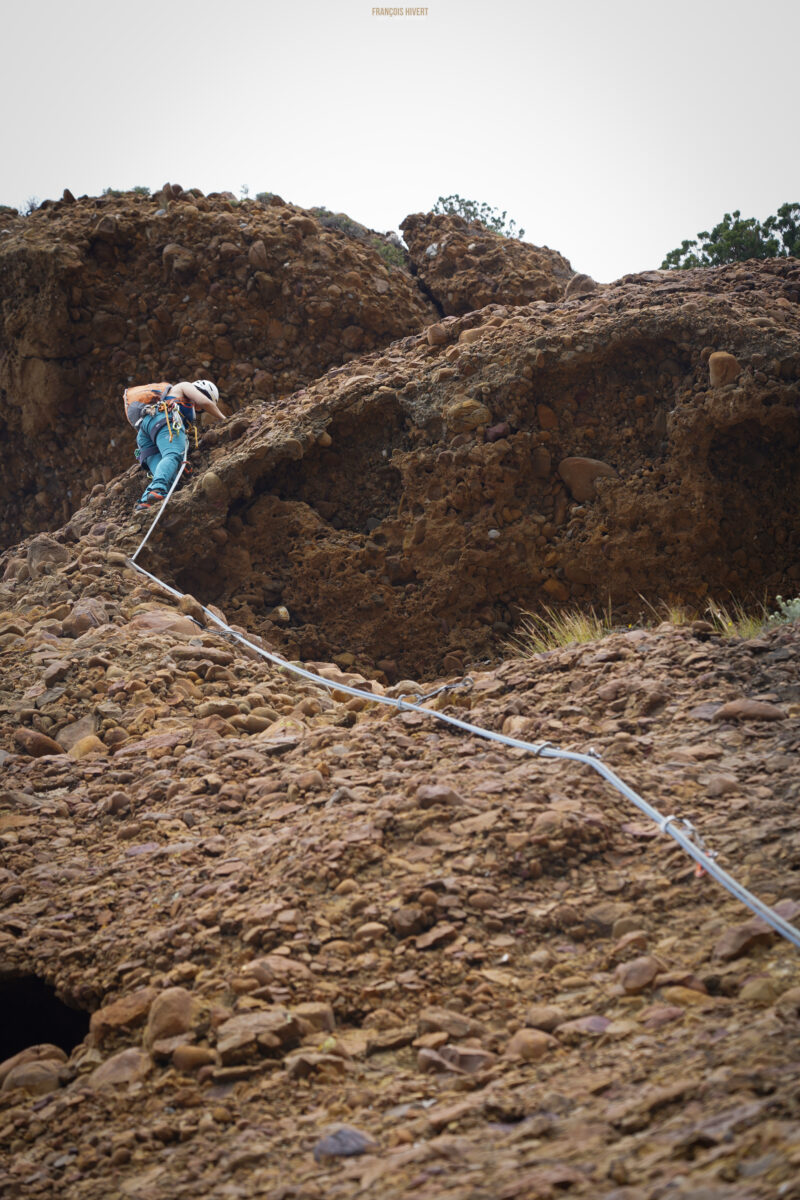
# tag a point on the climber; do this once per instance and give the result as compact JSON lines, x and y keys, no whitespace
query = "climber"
{"x":160,"y":413}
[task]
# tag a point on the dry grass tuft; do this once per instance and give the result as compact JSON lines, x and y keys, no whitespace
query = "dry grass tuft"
{"x":732,"y":620}
{"x":736,"y":621}
{"x":553,"y":628}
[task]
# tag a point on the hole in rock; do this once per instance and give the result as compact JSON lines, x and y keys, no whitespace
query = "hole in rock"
{"x":33,"y":1014}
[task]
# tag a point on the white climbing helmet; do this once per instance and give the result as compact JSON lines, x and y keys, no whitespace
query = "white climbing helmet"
{"x":209,"y":389}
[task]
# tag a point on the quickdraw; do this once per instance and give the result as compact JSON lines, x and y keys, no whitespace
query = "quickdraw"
{"x":178,"y":422}
{"x":170,"y":409}
{"x":165,"y":408}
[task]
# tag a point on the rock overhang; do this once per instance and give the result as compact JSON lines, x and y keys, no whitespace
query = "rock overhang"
{"x":385,"y":488}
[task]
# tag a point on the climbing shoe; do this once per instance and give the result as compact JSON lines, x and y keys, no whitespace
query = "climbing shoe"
{"x":151,"y":500}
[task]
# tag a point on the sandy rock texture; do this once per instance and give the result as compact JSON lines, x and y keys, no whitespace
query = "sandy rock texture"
{"x":102,"y":292}
{"x":320,"y":947}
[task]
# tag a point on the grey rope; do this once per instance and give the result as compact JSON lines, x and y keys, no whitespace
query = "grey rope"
{"x":688,"y":838}
{"x":163,"y":504}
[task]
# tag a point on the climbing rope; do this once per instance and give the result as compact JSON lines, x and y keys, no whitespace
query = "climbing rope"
{"x":161,"y":508}
{"x":687,"y":838}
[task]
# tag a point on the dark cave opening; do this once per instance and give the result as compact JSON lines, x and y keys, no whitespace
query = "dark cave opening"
{"x":33,"y":1014}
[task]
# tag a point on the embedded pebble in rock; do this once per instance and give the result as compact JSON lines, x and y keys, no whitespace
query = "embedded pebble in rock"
{"x":127,"y":1013}
{"x":86,"y":746}
{"x":38,"y":1077}
{"x":721,"y":785}
{"x":163,"y":621}
{"x":345,"y":1142}
{"x":318,"y":1015}
{"x":43,"y":553}
{"x":530,"y":1045}
{"x":657,"y":1015}
{"x":685,"y":997}
{"x":580,"y":285}
{"x":466,"y":414}
{"x":579,"y":474}
{"x":575,"y":1031}
{"x":214,"y":487}
{"x":758,"y":991}
{"x":435,"y":1020}
{"x":127,"y":1067}
{"x":740,"y":939}
{"x":750,"y":710}
{"x":31,"y":1054}
{"x":544,"y":1016}
{"x":171,"y":1012}
{"x":430,"y":1061}
{"x":607,"y":916}
{"x":71,"y":734}
{"x":469,"y":1059}
{"x":637,"y":975}
{"x":722,"y":368}
{"x":191,"y":1058}
{"x":301,"y":1066}
{"x":439,"y":936}
{"x":279,"y":969}
{"x":255,"y":1033}
{"x":635,"y":939}
{"x":788,"y":1003}
{"x":430,"y":794}
{"x":36,"y":743}
{"x":192,"y":608}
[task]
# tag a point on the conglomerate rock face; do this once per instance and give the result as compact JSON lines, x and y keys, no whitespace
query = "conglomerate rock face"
{"x":313,"y":946}
{"x":99,"y":293}
{"x":636,"y":447}
{"x":262,"y":937}
{"x":463,"y":266}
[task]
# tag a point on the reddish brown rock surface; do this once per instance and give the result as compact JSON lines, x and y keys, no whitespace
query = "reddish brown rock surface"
{"x":291,"y":913}
{"x":369,"y":514}
{"x":107,"y":291}
{"x":312,"y":946}
{"x":330,"y":957}
{"x":464,"y":266}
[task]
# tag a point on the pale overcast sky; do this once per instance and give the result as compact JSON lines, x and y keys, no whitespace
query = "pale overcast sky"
{"x":609,"y":129}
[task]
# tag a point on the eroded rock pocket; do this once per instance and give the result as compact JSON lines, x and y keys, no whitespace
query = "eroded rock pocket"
{"x":351,"y":482}
{"x":37,"y":1034}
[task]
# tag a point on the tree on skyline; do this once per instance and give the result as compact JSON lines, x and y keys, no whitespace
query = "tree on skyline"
{"x":736,"y":240}
{"x":474,"y":210}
